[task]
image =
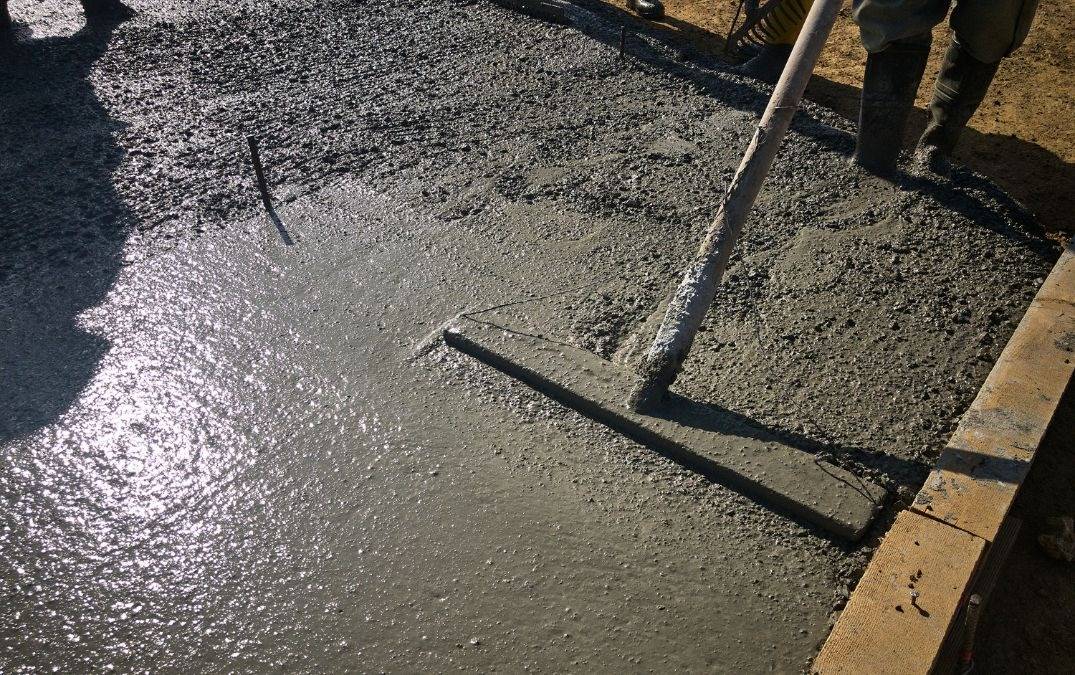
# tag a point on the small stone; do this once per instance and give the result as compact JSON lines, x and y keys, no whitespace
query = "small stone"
{"x":1059,"y":542}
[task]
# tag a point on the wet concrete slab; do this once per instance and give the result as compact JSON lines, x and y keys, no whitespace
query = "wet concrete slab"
{"x":261,"y":474}
{"x":218,"y":451}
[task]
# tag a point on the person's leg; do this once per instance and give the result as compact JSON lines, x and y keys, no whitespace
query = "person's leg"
{"x":882,"y":22}
{"x":647,"y":9}
{"x":961,"y":85}
{"x":989,"y":30}
{"x":897,"y":35}
{"x":888,"y":92}
{"x":984,"y":32}
{"x":780,"y":28}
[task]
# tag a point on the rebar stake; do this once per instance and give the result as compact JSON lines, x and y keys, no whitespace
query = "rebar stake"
{"x":966,"y":654}
{"x":263,"y":187}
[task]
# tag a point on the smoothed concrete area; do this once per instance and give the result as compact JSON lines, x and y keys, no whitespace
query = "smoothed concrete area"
{"x":218,"y":451}
{"x":262,"y":475}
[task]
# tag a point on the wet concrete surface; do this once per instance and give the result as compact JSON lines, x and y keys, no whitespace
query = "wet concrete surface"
{"x":260,"y":474}
{"x":222,"y":452}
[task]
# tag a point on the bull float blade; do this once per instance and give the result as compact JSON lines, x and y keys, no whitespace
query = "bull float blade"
{"x":713,"y":442}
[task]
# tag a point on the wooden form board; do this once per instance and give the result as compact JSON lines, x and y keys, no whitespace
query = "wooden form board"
{"x":979,"y":473}
{"x":903,"y":634}
{"x":957,"y":515}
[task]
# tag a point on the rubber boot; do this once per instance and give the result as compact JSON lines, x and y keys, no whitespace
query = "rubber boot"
{"x":961,"y":85}
{"x":767,"y":64}
{"x":888,"y":92}
{"x":647,"y":9}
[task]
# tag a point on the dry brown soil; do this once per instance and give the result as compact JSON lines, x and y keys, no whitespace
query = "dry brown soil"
{"x":1022,"y":137}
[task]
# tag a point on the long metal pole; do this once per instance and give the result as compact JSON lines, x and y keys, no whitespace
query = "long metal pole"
{"x":690,"y":302}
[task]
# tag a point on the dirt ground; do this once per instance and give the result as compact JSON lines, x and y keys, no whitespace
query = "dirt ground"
{"x":1022,"y":136}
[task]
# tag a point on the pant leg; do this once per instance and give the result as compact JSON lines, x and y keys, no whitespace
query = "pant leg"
{"x":992,"y":29}
{"x":882,"y":22}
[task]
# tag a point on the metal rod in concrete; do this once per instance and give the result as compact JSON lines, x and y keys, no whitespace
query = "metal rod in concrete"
{"x":263,"y":187}
{"x":690,"y":302}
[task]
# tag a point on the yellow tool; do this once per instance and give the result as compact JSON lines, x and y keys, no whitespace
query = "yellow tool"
{"x":776,"y":22}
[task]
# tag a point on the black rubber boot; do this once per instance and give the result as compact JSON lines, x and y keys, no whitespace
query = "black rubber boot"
{"x":961,"y":85}
{"x":767,"y":64}
{"x":106,"y":10}
{"x":647,"y":9}
{"x":888,"y":92}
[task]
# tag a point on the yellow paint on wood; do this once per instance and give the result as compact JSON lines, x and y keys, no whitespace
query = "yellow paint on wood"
{"x":885,"y":629}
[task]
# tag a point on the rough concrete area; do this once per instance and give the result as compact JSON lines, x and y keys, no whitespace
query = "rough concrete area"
{"x":220,"y":452}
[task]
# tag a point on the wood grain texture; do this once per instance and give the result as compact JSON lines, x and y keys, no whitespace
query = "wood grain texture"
{"x":883,"y":629}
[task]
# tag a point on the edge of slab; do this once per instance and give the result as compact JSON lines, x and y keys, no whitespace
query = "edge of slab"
{"x":985,"y":462}
{"x":965,"y":502}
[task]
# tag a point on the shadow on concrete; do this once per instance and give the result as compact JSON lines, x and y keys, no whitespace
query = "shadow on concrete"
{"x":709,"y":416}
{"x":281,"y":229}
{"x":62,"y":224}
